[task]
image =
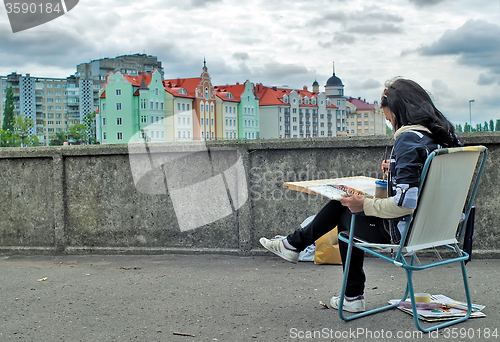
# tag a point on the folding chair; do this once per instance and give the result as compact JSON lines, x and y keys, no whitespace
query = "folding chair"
{"x":447,"y":190}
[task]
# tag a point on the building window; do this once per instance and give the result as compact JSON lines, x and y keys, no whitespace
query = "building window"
{"x":206,"y":93}
{"x":119,"y":136}
{"x":156,"y":91}
{"x":104,"y":135}
{"x":178,"y":107}
{"x":143,"y":103}
{"x":104,"y":121}
{"x":118,"y":106}
{"x":118,"y":121}
{"x":144,"y":119}
{"x":103,"y":107}
{"x":151,"y":105}
{"x":118,"y":92}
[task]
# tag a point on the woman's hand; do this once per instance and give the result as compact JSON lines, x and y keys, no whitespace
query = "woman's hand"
{"x":353,"y":202}
{"x":385,"y":165}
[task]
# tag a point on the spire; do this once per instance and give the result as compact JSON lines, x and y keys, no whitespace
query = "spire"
{"x":334,"y":67}
{"x":204,"y":64}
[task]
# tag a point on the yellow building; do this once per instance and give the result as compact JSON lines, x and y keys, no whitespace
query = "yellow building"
{"x":364,"y":118}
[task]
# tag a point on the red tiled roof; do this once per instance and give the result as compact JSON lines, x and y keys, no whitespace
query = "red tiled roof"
{"x":274,"y":96}
{"x":269,"y":97}
{"x":223,"y":95}
{"x":236,"y":89}
{"x":361,"y":104}
{"x":103,"y":95}
{"x":136,"y":80}
{"x":190,"y":84}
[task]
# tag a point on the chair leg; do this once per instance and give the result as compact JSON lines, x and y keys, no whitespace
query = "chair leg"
{"x":409,"y":274}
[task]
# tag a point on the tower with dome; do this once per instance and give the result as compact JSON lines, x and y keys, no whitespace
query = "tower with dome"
{"x":334,"y":90}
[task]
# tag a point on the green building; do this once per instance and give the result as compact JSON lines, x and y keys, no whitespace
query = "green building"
{"x":131,"y":108}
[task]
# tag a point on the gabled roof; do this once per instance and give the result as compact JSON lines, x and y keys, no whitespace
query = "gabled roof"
{"x":236,"y":89}
{"x":274,"y":96}
{"x":361,"y":104}
{"x":269,"y":97}
{"x":137,"y":80}
{"x":224,"y":96}
{"x":189,"y":84}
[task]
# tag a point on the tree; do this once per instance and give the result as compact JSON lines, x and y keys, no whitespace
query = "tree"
{"x":22,"y":126}
{"x":497,"y":126}
{"x":76,"y":134}
{"x":492,"y":126}
{"x":59,"y":139}
{"x":388,"y":130}
{"x":458,"y":128}
{"x":90,"y":123}
{"x":485,"y":127}
{"x":5,"y":138}
{"x":8,"y":116}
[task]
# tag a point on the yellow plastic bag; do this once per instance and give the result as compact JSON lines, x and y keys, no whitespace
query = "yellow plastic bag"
{"x":327,"y":249}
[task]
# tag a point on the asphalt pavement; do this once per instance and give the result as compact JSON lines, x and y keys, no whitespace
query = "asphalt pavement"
{"x":208,"y":297}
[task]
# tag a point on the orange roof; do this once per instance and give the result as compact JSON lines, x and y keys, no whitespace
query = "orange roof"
{"x":190,"y":84}
{"x":269,"y":97}
{"x":136,"y":80}
{"x":274,"y":96}
{"x":223,"y":95}
{"x":236,"y":89}
{"x":103,"y":95}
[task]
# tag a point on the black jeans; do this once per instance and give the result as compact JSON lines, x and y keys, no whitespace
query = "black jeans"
{"x":334,"y":214}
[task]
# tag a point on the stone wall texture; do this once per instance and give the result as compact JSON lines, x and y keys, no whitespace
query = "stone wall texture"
{"x":214,"y":196}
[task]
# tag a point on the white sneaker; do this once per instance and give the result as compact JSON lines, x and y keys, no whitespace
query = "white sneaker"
{"x":355,"y":305}
{"x":276,"y":246}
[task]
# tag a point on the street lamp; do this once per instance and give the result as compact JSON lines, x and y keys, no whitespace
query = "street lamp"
{"x":23,"y":135}
{"x":470,"y":114}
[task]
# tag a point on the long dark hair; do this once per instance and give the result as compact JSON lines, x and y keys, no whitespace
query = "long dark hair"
{"x":412,"y":105}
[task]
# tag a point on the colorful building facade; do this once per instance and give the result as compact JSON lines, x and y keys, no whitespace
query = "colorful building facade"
{"x":132,"y":107}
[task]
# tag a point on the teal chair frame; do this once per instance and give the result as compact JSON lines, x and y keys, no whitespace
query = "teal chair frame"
{"x":399,"y":259}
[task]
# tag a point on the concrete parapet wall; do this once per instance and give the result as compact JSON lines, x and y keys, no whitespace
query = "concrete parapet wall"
{"x":76,"y":199}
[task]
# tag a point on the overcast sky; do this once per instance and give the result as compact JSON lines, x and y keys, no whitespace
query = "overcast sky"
{"x":450,"y":47}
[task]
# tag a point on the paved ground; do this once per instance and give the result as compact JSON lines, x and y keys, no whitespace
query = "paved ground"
{"x":217,"y":298}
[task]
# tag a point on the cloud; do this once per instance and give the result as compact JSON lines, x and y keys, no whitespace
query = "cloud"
{"x":424,"y":3}
{"x":203,"y":3}
{"x":43,"y":48}
{"x":476,"y":43}
{"x":441,"y":89}
{"x":371,"y":29}
{"x":344,"y":38}
{"x":487,"y":79}
{"x":365,"y":15}
{"x":241,"y":56}
{"x":371,"y":84}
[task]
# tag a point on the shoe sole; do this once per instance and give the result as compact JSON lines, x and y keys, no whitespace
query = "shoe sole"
{"x":277,"y":253}
{"x":346,"y":309}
